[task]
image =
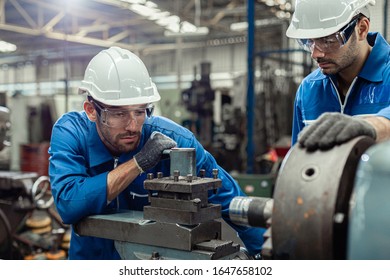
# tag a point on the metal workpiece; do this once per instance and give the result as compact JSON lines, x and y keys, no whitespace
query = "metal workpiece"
{"x":311,"y":201}
{"x":369,"y":227}
{"x":183,"y":160}
{"x":251,"y":211}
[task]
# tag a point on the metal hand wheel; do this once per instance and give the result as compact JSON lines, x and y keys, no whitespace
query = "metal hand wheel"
{"x":41,"y":193}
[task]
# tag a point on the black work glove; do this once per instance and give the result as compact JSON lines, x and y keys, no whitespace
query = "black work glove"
{"x":150,"y":154}
{"x":333,"y":129}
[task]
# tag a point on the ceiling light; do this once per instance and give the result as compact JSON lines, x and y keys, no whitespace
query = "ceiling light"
{"x":241,"y":26}
{"x":199,"y":31}
{"x":7,"y":47}
{"x":172,"y":23}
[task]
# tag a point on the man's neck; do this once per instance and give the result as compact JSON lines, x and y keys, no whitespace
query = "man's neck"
{"x":346,"y":77}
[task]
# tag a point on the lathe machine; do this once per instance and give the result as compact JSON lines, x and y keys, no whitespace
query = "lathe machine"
{"x":179,"y":223}
{"x":326,"y":205}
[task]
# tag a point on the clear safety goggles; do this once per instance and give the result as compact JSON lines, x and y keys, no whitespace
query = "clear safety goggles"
{"x":332,"y":42}
{"x":120,"y":118}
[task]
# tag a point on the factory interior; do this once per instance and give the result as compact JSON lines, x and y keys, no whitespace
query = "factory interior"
{"x":226,"y":71}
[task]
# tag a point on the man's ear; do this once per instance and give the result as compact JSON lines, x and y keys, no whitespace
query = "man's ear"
{"x":90,"y":110}
{"x":363,"y":28}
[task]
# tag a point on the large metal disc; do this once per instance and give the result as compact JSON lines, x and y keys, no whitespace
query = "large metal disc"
{"x":311,"y":201}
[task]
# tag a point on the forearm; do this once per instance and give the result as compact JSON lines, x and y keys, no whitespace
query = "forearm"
{"x":382,"y":127}
{"x":119,"y":178}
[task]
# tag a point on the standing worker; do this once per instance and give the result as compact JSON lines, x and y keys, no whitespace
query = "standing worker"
{"x":99,"y":157}
{"x":349,"y":92}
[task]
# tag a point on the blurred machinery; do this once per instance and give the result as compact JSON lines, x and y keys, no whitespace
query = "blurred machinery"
{"x":26,"y":216}
{"x":29,"y":227}
{"x":198,"y":99}
{"x":326,"y":205}
{"x":178,"y":208}
{"x":5,"y":142}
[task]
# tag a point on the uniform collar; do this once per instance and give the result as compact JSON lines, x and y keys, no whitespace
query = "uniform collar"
{"x":376,"y":62}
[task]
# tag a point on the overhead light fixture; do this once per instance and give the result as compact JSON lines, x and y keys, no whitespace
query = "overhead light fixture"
{"x":171,"y":23}
{"x":281,"y":9}
{"x":199,"y":31}
{"x":6,"y":47}
{"x":241,"y":26}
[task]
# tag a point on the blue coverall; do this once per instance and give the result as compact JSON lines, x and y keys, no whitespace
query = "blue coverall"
{"x":369,"y":93}
{"x":78,"y":168}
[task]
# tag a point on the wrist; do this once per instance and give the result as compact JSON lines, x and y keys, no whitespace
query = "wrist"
{"x":137,"y":165}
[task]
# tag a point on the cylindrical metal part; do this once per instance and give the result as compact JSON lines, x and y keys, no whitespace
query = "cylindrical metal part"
{"x":215,"y":173}
{"x":250,"y":211}
{"x":176,"y":174}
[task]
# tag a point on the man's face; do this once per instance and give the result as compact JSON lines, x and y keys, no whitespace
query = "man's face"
{"x":335,"y":62}
{"x":336,"y":52}
{"x":120,"y":127}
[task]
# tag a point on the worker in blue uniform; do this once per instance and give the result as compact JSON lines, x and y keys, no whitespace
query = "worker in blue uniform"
{"x":349,"y":93}
{"x":99,"y":157}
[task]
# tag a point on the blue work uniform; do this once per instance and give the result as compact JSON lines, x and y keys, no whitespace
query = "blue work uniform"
{"x":369,"y":93}
{"x":80,"y":162}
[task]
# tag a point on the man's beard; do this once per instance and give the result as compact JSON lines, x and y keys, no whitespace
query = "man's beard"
{"x":113,"y":142}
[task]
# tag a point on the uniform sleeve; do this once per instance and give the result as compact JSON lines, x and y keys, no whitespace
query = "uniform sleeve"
{"x":76,"y":193}
{"x":384,"y":113}
{"x":297,"y":124}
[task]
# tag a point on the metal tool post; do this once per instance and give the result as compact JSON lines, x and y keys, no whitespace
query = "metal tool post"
{"x":179,"y":223}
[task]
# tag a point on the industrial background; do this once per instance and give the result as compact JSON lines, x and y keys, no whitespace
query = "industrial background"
{"x":224,"y":69}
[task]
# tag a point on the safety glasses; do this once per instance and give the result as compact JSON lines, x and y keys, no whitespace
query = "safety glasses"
{"x":121,"y":118}
{"x":332,"y":42}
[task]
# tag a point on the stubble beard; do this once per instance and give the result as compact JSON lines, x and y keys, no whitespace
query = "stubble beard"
{"x":345,"y":60}
{"x":112,"y":142}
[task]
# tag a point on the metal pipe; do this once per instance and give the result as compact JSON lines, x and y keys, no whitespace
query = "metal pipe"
{"x":385,"y":12}
{"x":251,"y":211}
{"x":250,"y":89}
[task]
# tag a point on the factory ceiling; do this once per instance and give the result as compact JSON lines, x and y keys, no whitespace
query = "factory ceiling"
{"x":54,"y":28}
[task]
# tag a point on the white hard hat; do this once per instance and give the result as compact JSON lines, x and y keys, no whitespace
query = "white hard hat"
{"x":117,"y":77}
{"x":320,"y":18}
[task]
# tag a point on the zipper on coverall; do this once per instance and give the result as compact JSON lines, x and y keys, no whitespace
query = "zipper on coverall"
{"x":116,"y":159}
{"x":342,"y":105}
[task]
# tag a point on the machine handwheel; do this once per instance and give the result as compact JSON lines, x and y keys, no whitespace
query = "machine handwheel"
{"x":41,"y":193}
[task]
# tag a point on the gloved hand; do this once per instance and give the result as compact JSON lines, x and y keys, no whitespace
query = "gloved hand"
{"x":333,"y":129}
{"x":150,"y":154}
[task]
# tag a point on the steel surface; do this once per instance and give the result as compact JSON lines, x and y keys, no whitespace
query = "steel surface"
{"x":130,"y":226}
{"x":311,"y":199}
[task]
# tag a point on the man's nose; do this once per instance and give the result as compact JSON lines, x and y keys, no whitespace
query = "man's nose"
{"x":132,"y":124}
{"x":316,"y":52}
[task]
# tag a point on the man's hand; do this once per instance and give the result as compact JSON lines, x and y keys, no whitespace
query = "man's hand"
{"x":333,"y":129}
{"x":150,"y":154}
